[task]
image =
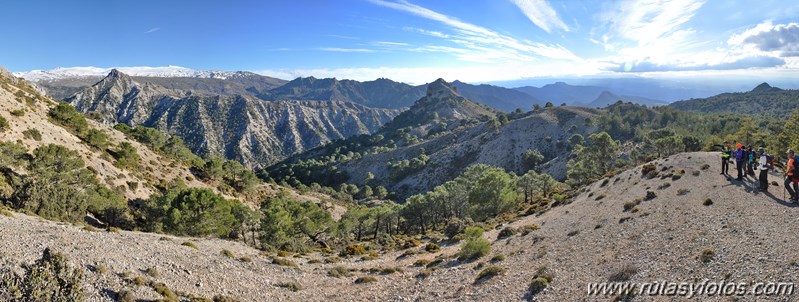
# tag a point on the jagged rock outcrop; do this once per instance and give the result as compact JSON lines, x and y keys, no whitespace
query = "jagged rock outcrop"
{"x":237,"y":127}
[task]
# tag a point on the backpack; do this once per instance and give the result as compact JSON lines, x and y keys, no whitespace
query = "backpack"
{"x":795,"y":175}
{"x":769,"y":161}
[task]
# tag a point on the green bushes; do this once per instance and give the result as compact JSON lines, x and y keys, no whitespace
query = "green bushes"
{"x":291,"y":225}
{"x":507,"y":232}
{"x":173,"y":146}
{"x":474,"y":246}
{"x":32,"y":134}
{"x":4,"y":125}
{"x":66,"y":116}
{"x":126,"y":156}
{"x":292,"y":286}
{"x":17,"y":112}
{"x":50,"y":278}
{"x":192,"y":211}
{"x":489,"y":272}
{"x":96,"y":138}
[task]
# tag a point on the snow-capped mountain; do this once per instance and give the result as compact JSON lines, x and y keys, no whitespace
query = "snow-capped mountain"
{"x":142,"y":71}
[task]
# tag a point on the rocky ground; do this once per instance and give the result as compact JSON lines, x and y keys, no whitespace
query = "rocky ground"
{"x":589,"y":240}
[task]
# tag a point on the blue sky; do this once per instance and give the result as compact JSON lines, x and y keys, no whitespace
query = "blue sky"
{"x":411,"y":41}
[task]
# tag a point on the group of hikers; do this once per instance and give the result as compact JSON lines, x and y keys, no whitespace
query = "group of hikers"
{"x":748,"y":160}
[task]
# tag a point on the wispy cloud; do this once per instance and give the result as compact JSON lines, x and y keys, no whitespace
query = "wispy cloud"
{"x":388,"y":43}
{"x":480,"y":44}
{"x":343,"y":37}
{"x":338,"y":49}
{"x":541,"y":14}
{"x":152,"y":30}
{"x":431,"y":33}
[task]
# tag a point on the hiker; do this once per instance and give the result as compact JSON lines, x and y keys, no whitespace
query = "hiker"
{"x":739,"y":161}
{"x":766,"y":162}
{"x":791,"y":172}
{"x":750,"y":160}
{"x":726,"y":151}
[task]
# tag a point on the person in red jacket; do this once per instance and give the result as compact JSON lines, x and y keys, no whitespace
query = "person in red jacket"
{"x":791,"y":182}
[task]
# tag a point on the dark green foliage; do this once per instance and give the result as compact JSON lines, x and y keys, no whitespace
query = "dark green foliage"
{"x":432,"y":248}
{"x":32,"y":134}
{"x":537,"y":285}
{"x":291,"y":225}
{"x":4,"y":124}
{"x":192,"y":211}
{"x":403,"y":168}
{"x":171,"y":146}
{"x":507,"y":232}
{"x":96,"y":138}
{"x":474,"y":246}
{"x":708,"y":202}
{"x":126,"y":155}
{"x":489,"y":272}
{"x":231,"y":172}
{"x":18,"y":112}
{"x":770,"y":102}
{"x":66,"y":116}
{"x":594,"y":160}
{"x":531,"y":159}
{"x":50,"y":278}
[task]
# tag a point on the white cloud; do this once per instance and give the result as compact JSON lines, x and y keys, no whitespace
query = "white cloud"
{"x":389,"y":43}
{"x":338,"y":49}
{"x":650,"y":28}
{"x":541,"y":14}
{"x":431,"y":33}
{"x":480,"y":44}
{"x":780,"y":39}
{"x":152,"y":30}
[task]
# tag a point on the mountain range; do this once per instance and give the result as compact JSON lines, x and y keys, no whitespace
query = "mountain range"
{"x":763,"y":99}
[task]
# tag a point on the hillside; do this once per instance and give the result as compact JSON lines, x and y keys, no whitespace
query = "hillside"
{"x":590,"y":239}
{"x":607,"y":98}
{"x":237,"y":127}
{"x":763,"y":99}
{"x":436,"y":139}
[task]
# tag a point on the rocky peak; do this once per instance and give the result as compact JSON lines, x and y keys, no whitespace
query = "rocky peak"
{"x":440,"y":89}
{"x":762,"y":87}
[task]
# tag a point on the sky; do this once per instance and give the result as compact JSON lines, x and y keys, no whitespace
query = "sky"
{"x":412,"y":41}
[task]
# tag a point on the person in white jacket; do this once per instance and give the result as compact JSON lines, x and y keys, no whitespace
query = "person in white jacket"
{"x":763,"y":167}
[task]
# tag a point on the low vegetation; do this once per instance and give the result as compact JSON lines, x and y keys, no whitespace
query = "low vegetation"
{"x":51,"y":278}
{"x":474,"y":245}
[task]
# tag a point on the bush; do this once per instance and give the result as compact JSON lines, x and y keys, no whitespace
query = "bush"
{"x":152,"y":272}
{"x":421,"y":262}
{"x":353,"y":250}
{"x":190,"y":244}
{"x":66,"y":116}
{"x":506,"y":232}
{"x":193,"y":211}
{"x":475,"y":246}
{"x":432,"y":248}
{"x":4,"y":125}
{"x":126,"y":295}
{"x":489,"y":272}
{"x":707,"y":255}
{"x":338,"y":271}
{"x":527,"y":229}
{"x":164,"y":291}
{"x":18,"y":112}
{"x":498,"y":258}
{"x":624,"y":274}
{"x":292,"y":286}
{"x":365,"y":279}
{"x":227,"y":253}
{"x":707,"y":202}
{"x":647,"y":168}
{"x":96,"y":138}
{"x":51,"y":278}
{"x":537,"y":285}
{"x":32,"y":134}
{"x":283,"y":262}
{"x":126,"y":156}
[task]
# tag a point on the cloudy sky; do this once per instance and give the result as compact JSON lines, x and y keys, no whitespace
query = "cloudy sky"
{"x":412,"y":41}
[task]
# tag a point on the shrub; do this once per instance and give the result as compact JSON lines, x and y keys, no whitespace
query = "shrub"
{"x":650,"y":195}
{"x":227,"y":253}
{"x":314,"y":261}
{"x":624,"y":274}
{"x":245,"y":259}
{"x":629,"y":205}
{"x":537,"y":285}
{"x":645,"y":169}
{"x":32,"y":134}
{"x":96,"y":138}
{"x":707,"y":202}
{"x":283,"y":262}
{"x":292,"y":285}
{"x":4,"y":125}
{"x":475,"y":246}
{"x":190,"y":244}
{"x":51,"y":278}
{"x":707,"y":255}
{"x":18,"y":112}
{"x":573,"y":233}
{"x":432,"y":248}
{"x":126,"y":295}
{"x":164,"y":291}
{"x":353,"y":250}
{"x":66,"y":116}
{"x":489,"y":272}
{"x":221,"y":298}
{"x":192,"y":211}
{"x":139,"y":280}
{"x":365,"y":279}
{"x":152,"y":272}
{"x":506,"y":232}
{"x":681,"y":192}
{"x":338,"y":271}
{"x":126,"y":156}
{"x":421,"y":262}
{"x":283,"y":253}
{"x":498,"y":258}
{"x":527,"y":229}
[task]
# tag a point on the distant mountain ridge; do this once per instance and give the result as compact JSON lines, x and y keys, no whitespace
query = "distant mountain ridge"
{"x":238,"y":127}
{"x":763,"y":99}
